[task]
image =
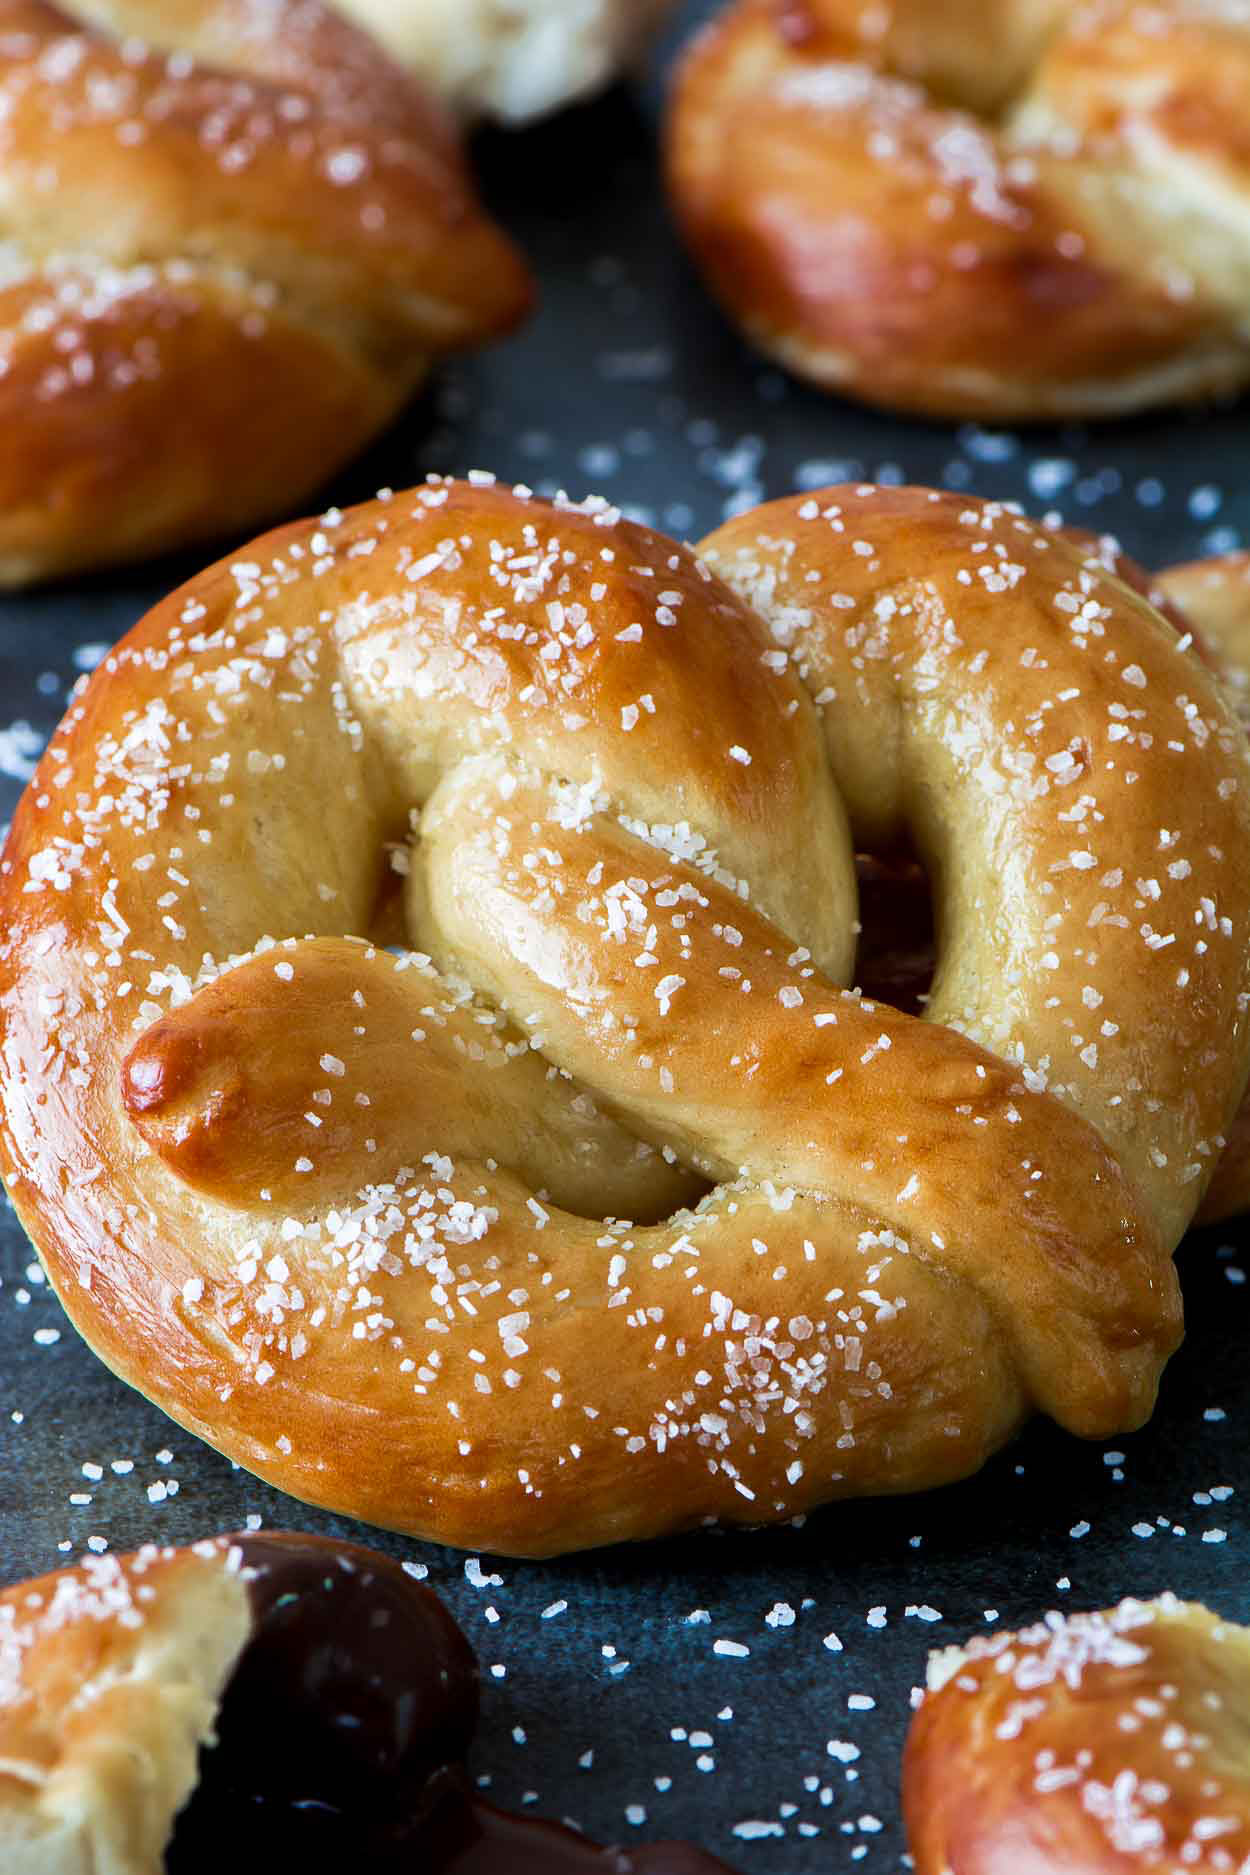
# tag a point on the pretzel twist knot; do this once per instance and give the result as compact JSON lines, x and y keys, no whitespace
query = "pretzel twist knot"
{"x":1024,"y":210}
{"x":355,"y":1214}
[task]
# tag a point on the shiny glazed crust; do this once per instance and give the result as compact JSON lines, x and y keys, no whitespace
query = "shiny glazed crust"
{"x":347,"y":1213}
{"x":1024,"y":210}
{"x":1214,"y":596}
{"x":1098,"y":1744}
{"x":110,"y":1678}
{"x":235,"y":236}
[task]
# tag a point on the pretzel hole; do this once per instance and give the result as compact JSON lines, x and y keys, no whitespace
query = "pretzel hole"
{"x":387,"y":926}
{"x":896,"y":955}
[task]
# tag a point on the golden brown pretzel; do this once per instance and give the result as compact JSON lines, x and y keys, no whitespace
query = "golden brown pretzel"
{"x":1214,"y":596}
{"x":1086,"y":1745}
{"x":1020,"y":210}
{"x":340,"y":1211}
{"x":225,"y":263}
{"x":112,"y":1675}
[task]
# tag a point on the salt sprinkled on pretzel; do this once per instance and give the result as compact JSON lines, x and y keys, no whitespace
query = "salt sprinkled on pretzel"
{"x":1023,"y":210}
{"x":1213,"y":596}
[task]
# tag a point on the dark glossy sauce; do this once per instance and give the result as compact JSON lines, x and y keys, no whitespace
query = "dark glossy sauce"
{"x":464,"y":1836}
{"x":341,"y":1738}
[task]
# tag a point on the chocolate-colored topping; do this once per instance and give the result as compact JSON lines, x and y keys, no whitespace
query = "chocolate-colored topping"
{"x":355,"y":1689}
{"x":341,"y":1736}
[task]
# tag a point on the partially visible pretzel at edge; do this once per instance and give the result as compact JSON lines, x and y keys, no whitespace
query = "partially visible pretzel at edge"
{"x":1017,"y":210}
{"x":1213,"y":596}
{"x":346,"y":1210}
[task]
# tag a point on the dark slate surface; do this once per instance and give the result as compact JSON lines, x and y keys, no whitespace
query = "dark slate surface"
{"x":784,"y":1759}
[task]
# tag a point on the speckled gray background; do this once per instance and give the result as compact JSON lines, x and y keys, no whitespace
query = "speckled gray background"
{"x":606,"y":1698}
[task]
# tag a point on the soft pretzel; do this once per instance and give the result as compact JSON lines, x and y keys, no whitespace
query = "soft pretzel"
{"x":1086,"y":1745}
{"x":347,"y":1214}
{"x":511,"y":59}
{"x":1023,"y":210}
{"x":227,"y":259}
{"x":178,"y":1711}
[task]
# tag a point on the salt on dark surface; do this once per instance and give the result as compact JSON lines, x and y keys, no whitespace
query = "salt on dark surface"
{"x":748,"y":1691}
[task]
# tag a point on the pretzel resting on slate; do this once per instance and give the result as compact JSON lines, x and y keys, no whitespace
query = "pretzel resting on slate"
{"x":1016,"y":211}
{"x":236,"y":238}
{"x":357,"y":1215}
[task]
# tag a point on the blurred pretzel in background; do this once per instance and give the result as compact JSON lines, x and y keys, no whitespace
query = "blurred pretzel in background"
{"x":235,"y":239}
{"x":1023,"y":210}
